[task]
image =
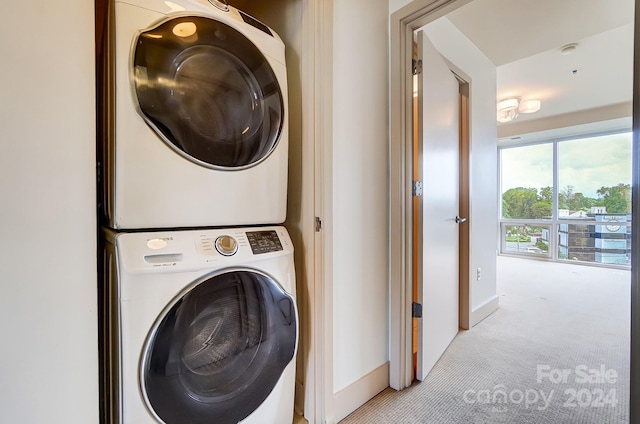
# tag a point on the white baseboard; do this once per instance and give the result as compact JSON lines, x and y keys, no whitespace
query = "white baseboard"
{"x":484,"y":310}
{"x":358,"y":393}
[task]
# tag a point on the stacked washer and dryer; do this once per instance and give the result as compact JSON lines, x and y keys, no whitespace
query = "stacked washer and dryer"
{"x":198,"y":314}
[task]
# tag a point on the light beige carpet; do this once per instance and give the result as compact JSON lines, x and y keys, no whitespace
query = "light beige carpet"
{"x":556,"y":351}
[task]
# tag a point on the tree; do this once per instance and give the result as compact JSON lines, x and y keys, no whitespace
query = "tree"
{"x":616,"y":199}
{"x":506,"y":212}
{"x":563,"y":197}
{"x":546,"y":194}
{"x":541,"y":209}
{"x":568,"y":199}
{"x":582,"y":203}
{"x":521,"y":202}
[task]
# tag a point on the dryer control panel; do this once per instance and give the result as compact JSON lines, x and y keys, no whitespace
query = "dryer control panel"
{"x":173,"y":251}
{"x":264,"y":241}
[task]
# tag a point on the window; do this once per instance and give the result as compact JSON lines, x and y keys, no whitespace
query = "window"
{"x":526,"y":179}
{"x":568,"y":199}
{"x":595,"y":172}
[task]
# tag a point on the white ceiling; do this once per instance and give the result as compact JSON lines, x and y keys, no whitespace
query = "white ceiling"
{"x":523,"y":38}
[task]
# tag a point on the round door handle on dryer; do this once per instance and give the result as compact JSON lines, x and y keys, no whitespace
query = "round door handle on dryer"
{"x":460,"y":220}
{"x":220,"y":4}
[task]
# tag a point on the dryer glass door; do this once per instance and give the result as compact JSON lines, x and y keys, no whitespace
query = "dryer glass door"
{"x":208,"y":92}
{"x":218,"y":350}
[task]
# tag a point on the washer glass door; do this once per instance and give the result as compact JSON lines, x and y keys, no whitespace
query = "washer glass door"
{"x":208,"y":92}
{"x":218,"y":350}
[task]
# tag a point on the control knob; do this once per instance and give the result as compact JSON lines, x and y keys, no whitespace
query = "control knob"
{"x":226,"y":245}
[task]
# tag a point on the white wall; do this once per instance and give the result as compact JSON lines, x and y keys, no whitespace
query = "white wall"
{"x":483,"y":173}
{"x":395,"y":5}
{"x":356,"y":226}
{"x":48,"y":317}
{"x":360,"y":189}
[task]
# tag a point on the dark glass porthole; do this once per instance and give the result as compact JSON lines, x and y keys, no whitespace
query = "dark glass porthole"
{"x":208,"y":92}
{"x":219,"y":350}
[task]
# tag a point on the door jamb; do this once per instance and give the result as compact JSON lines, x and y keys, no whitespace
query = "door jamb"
{"x":402,"y":24}
{"x":634,"y":389}
{"x":317,"y":296}
{"x":464,"y":293}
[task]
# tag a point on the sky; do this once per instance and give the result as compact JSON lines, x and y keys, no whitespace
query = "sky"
{"x":586,"y":164}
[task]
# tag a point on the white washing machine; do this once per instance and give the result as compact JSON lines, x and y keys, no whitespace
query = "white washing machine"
{"x":197,"y":132}
{"x":199,"y":326}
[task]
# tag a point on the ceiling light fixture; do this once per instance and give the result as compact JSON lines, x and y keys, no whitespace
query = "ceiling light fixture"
{"x":509,"y":109}
{"x":529,"y":106}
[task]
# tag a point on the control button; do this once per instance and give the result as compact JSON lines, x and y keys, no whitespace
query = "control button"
{"x":220,"y":4}
{"x":264,"y":242}
{"x":156,"y":243}
{"x":226,"y":245}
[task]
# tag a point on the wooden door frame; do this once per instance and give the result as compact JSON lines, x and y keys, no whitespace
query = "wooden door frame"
{"x":402,"y":25}
{"x":464,"y":294}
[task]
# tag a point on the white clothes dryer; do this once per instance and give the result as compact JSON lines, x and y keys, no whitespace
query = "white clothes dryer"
{"x":197,"y":132}
{"x":199,"y":326}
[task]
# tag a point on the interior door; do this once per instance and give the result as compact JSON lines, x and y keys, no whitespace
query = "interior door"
{"x":437,"y":227}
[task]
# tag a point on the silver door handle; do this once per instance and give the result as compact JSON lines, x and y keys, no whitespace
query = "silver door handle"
{"x":460,"y":220}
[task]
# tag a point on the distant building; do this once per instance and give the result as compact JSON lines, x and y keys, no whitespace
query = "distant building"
{"x":613,"y":241}
{"x":575,"y":242}
{"x":566,"y":213}
{"x":605,"y":241}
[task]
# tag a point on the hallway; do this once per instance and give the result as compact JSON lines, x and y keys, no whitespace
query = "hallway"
{"x":556,"y":351}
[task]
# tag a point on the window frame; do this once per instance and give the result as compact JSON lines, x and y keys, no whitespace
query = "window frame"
{"x":554,"y":223}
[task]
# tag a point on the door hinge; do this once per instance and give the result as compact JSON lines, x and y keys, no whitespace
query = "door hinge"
{"x":416,"y":67}
{"x":416,"y":188}
{"x":318,"y":224}
{"x":416,"y":310}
